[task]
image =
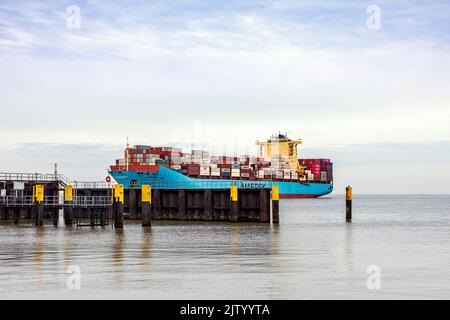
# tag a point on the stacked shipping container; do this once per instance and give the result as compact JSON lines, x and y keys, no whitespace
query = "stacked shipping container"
{"x":199,"y":164}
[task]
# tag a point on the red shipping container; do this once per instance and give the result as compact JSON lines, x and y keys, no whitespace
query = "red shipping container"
{"x":193,"y":169}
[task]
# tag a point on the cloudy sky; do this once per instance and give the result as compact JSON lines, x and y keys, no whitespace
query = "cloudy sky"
{"x":372,"y":94}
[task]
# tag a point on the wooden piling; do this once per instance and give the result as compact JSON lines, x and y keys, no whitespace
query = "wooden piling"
{"x":146,"y":205}
{"x":208,"y":205}
{"x":38,"y":214}
{"x":103,"y":216}
{"x":93,"y":216}
{"x":132,"y":200}
{"x":16,"y":215}
{"x":68,"y":214}
{"x":55,"y":216}
{"x":38,"y":207}
{"x":275,"y":205}
{"x":181,"y":205}
{"x":348,"y":203}
{"x":264,"y":206}
{"x":118,"y":206}
{"x":5,"y":212}
{"x":234,"y":204}
{"x":156,"y":201}
{"x":68,"y":209}
{"x":88,"y":210}
{"x":29,"y":213}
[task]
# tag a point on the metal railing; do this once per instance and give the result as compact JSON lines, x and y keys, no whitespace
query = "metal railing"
{"x":39,"y":177}
{"x":24,"y":201}
{"x":92,"y":185}
{"x":91,"y":201}
{"x":56,"y":201}
{"x":62,"y":179}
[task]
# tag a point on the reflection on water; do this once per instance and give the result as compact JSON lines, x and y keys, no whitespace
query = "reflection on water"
{"x":348,"y":248}
{"x":38,"y":245}
{"x":313,"y":253}
{"x":147,"y":239}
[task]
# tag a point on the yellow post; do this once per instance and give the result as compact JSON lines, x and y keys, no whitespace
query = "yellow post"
{"x":38,"y":193}
{"x":68,"y":193}
{"x":118,"y":193}
{"x":234,"y":205}
{"x":348,"y":193}
{"x":146,"y":193}
{"x":275,"y":193}
{"x":348,"y":203}
{"x":275,"y":205}
{"x":234,"y":193}
{"x":146,"y":205}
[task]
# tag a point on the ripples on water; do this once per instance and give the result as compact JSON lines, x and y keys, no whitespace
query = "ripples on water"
{"x":313,"y":253}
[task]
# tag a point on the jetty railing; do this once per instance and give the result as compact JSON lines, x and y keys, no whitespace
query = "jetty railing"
{"x":56,"y":201}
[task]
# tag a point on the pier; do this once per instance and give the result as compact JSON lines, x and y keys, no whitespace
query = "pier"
{"x":35,"y":197}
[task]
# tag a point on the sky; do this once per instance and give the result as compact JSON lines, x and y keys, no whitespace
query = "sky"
{"x":365,"y":83}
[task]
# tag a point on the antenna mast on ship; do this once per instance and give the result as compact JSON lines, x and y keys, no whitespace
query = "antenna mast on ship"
{"x":126,"y":151}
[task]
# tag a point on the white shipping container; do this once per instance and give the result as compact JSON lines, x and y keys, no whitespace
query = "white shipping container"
{"x":287,"y":175}
{"x":245,"y":175}
{"x":176,"y":167}
{"x":323,"y":176}
{"x":294,"y":175}
{"x":310,"y":176}
{"x":204,"y":171}
{"x":215,"y":173}
{"x":235,"y":172}
{"x":303,"y":178}
{"x":279,"y":174}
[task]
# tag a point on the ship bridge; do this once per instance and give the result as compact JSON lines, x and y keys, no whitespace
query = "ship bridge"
{"x":279,"y":145}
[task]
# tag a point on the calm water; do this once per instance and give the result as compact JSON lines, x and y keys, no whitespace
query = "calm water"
{"x":313,"y":253}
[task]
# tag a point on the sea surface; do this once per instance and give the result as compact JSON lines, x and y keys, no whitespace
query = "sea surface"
{"x":403,"y":241}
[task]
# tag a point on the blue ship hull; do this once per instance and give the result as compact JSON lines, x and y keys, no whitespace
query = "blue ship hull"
{"x":166,"y":178}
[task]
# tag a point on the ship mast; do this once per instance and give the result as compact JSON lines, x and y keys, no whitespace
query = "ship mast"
{"x":127,"y":151}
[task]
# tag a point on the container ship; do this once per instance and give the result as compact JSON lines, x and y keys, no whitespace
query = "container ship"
{"x":277,"y":163}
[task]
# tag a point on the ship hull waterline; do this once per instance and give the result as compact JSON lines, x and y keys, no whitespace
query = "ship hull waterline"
{"x":170,"y":179}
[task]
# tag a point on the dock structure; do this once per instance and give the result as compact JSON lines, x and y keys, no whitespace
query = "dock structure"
{"x":37,"y":197}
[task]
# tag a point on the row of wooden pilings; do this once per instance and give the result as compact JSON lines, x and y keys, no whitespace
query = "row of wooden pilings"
{"x":233,"y":205}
